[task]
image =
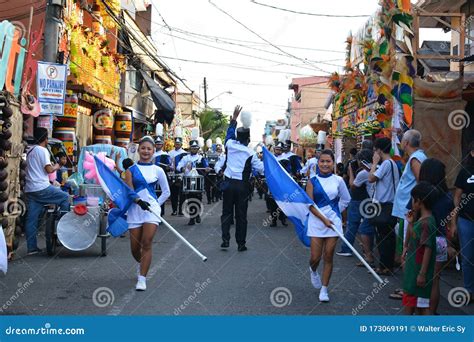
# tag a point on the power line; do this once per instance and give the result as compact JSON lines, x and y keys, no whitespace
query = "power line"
{"x":253,"y":56}
{"x":265,"y":40}
{"x":255,"y":49}
{"x":312,"y":14}
{"x":238,"y":66}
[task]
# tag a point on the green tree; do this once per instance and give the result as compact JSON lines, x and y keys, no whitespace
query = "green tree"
{"x":213,"y":124}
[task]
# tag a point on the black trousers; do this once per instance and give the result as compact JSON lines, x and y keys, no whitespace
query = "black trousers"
{"x":386,"y":244}
{"x":275,"y":211}
{"x":177,"y":197}
{"x":193,"y":206}
{"x":210,"y":184}
{"x":235,"y":197}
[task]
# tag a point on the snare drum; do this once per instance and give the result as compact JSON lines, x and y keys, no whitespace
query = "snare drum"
{"x":193,"y":184}
{"x":175,"y":178}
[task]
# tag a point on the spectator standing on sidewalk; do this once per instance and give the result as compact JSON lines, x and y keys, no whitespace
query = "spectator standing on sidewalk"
{"x":410,"y":145}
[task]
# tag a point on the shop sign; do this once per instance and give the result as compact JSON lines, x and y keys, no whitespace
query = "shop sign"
{"x":51,"y":85}
{"x":12,"y":52}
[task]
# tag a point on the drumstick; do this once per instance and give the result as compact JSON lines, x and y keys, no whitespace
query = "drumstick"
{"x":175,"y":232}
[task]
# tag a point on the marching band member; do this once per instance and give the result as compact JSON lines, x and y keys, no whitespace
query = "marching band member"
{"x":238,"y":167}
{"x":176,"y":185}
{"x":309,"y":169}
{"x":189,"y":162}
{"x":275,"y":212}
{"x":161,"y":158}
{"x":211,"y":179}
{"x":330,"y":194}
{"x":142,"y":177}
{"x":295,"y":161}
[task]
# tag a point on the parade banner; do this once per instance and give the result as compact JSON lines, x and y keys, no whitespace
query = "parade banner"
{"x":51,"y":85}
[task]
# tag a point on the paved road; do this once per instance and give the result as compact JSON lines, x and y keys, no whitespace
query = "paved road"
{"x":271,"y":278}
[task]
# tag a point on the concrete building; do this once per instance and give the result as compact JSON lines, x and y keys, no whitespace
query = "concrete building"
{"x":309,"y":102}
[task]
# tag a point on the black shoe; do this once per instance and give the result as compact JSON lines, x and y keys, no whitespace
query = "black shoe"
{"x":198,"y":219}
{"x":191,"y":222}
{"x":283,"y":222}
{"x":180,"y":213}
{"x":273,"y":224}
{"x":174,"y":213}
{"x":242,"y":248}
{"x":225,"y":244}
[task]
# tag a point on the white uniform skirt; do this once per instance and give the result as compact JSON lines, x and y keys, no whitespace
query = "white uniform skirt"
{"x":136,"y":216}
{"x":316,"y":227}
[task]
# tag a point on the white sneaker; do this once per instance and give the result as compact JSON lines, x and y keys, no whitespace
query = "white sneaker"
{"x":315,"y":279}
{"x":323,"y":296}
{"x":141,"y":284}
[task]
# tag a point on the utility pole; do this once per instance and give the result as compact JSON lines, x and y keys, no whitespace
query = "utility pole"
{"x":205,"y":92}
{"x":52,"y":26}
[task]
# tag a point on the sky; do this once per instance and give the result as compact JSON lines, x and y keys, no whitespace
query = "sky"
{"x":282,"y":46}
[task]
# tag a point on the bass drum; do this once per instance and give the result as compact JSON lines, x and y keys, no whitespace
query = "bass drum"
{"x":78,"y":232}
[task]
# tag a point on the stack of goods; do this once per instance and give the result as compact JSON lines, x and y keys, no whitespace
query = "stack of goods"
{"x":123,"y":129}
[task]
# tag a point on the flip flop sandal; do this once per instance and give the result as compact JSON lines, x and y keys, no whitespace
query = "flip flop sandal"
{"x":360,"y":264}
{"x":396,"y":296}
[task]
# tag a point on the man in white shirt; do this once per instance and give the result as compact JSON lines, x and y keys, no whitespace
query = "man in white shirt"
{"x":38,"y":190}
{"x":177,"y":197}
{"x":239,"y":164}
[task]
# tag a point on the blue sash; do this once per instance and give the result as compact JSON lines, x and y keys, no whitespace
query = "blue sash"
{"x":140,"y":183}
{"x":321,"y":198}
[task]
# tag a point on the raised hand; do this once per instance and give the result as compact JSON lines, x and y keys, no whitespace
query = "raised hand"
{"x":237,"y":111}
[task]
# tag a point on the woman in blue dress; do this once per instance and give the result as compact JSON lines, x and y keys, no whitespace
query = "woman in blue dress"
{"x":143,"y":177}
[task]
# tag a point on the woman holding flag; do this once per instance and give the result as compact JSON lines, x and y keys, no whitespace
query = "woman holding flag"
{"x":143,"y":177}
{"x":329,"y":192}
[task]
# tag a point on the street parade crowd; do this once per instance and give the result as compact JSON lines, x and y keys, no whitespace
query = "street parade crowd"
{"x":404,"y":220}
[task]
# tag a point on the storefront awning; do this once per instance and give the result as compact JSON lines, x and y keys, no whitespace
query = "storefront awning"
{"x":162,"y":100}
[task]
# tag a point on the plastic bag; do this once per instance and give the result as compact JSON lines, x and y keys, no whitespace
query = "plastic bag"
{"x":3,"y":252}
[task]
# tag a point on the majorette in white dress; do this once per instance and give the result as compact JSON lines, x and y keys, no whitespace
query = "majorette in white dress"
{"x":152,"y":174}
{"x":336,"y":190}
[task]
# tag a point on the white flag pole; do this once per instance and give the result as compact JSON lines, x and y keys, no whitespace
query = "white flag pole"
{"x":341,"y":235}
{"x":175,"y":232}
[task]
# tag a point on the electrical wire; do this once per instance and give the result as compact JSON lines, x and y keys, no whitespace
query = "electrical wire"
{"x":239,"y":66}
{"x":265,"y":40}
{"x":227,"y":40}
{"x":256,"y":57}
{"x":312,"y":14}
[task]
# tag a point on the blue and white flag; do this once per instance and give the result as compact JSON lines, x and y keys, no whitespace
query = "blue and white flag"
{"x":120,"y":193}
{"x":289,"y":196}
